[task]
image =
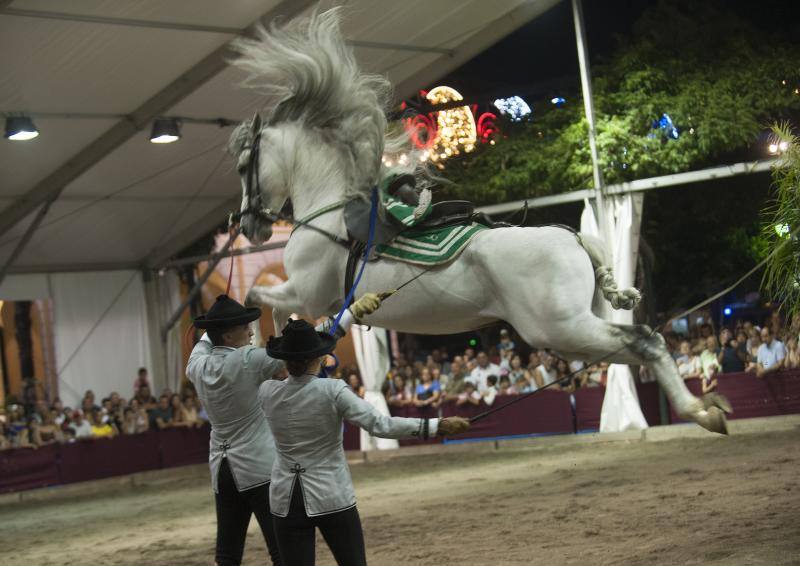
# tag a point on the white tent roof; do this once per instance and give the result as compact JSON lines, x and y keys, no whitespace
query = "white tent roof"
{"x":122,"y":202}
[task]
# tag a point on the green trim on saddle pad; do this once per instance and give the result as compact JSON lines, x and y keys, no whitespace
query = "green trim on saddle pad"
{"x":404,"y":214}
{"x":430,"y":247}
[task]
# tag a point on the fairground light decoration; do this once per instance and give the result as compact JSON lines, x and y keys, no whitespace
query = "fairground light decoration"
{"x":445,"y":133}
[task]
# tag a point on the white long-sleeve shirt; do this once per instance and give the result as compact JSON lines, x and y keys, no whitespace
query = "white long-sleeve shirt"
{"x":305,"y":414}
{"x":227,"y":381}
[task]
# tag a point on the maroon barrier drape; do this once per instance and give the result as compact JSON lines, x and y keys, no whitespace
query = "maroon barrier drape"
{"x":351,"y":437}
{"x":545,"y":412}
{"x":26,"y":468}
{"x":184,"y":446}
{"x":588,"y":405}
{"x":649,"y":402}
{"x":93,"y":459}
{"x":750,"y":396}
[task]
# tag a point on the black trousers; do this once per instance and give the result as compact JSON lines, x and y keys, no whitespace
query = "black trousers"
{"x":234,"y":509}
{"x":342,"y":531}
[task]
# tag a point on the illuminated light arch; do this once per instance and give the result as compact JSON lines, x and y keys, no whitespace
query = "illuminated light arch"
{"x":487,"y":127}
{"x":456,"y":126}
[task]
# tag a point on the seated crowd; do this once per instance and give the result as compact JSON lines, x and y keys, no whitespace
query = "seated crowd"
{"x":112,"y":417}
{"x":479,"y":378}
{"x":470,"y":378}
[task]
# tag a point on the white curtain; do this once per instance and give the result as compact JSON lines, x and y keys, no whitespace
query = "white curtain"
{"x":621,"y":410}
{"x":372,"y":355}
{"x":100,"y":328}
{"x":169,"y":299}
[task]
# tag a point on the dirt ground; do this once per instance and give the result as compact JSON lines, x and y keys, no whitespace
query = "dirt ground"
{"x":709,"y":500}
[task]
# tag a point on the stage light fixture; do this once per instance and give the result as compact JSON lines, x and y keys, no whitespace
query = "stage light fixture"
{"x":20,"y":128}
{"x":165,"y":130}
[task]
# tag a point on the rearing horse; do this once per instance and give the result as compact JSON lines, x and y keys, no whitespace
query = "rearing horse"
{"x":322,"y":144}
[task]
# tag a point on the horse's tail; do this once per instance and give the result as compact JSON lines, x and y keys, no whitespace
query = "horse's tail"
{"x":604,"y":275}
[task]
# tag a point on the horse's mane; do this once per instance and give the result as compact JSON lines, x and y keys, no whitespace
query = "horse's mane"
{"x":309,"y":69}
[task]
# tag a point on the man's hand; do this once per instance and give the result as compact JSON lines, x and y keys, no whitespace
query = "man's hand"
{"x":452,"y":425}
{"x":367,"y":304}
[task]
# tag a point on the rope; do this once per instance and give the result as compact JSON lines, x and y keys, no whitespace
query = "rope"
{"x":373,"y":215}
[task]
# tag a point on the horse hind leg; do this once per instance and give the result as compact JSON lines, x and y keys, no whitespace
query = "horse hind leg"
{"x":595,"y":340}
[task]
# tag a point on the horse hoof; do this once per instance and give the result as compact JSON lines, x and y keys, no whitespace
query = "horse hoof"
{"x":712,"y":419}
{"x":717,"y":400}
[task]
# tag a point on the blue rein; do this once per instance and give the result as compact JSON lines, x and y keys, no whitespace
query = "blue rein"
{"x":373,"y":216}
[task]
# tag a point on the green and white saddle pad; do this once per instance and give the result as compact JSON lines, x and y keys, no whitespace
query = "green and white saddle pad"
{"x":433,"y":246}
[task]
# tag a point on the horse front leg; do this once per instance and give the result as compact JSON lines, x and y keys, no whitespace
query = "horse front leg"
{"x":282,"y":298}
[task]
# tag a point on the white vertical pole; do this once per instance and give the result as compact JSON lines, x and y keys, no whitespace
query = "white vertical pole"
{"x":586,"y":87}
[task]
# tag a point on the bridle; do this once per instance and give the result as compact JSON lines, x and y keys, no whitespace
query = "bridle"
{"x":252,"y":188}
{"x":252,"y":192}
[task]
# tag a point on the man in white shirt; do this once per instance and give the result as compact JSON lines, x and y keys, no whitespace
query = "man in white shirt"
{"x":227,"y":371}
{"x":771,"y":353}
{"x":482,"y":371}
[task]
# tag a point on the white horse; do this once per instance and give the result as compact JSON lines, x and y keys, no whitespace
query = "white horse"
{"x":323,"y":143}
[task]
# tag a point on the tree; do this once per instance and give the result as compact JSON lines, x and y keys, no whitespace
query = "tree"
{"x":717,"y":77}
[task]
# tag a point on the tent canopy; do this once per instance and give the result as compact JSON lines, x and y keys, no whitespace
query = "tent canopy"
{"x":121,"y":202}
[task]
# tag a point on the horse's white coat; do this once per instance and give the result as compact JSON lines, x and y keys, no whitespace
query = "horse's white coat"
{"x":540,"y":280}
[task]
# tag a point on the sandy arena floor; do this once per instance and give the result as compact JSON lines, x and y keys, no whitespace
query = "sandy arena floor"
{"x":708,"y":500}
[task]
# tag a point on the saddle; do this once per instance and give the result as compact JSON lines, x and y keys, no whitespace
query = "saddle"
{"x":402,"y":189}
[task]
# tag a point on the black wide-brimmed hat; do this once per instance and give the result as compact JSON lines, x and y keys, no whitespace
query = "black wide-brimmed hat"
{"x":226,"y":313}
{"x":300,"y":342}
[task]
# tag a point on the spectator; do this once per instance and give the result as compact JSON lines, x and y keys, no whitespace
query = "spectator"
{"x":436,"y":375}
{"x":709,"y":364}
{"x":18,"y":430}
{"x":81,"y":428}
{"x":40,"y":411}
{"x":88,"y":405}
{"x":397,"y":395}
{"x":753,"y":344}
{"x":469,"y":354}
{"x":190,"y":416}
{"x":792,"y":353}
{"x":596,"y":376}
{"x":771,"y":353}
{"x":564,"y":376}
{"x":505,"y":342}
{"x":534,"y":361}
{"x":522,"y":385}
{"x":161,"y":416}
{"x":482,"y":371}
{"x":688,"y":363}
{"x":102,"y":429}
{"x":117,"y":402}
{"x":145,"y":399}
{"x":176,"y":409}
{"x":5,"y":441}
{"x":490,"y":393}
{"x":46,"y":432}
{"x":428,"y":391}
{"x":57,"y":409}
{"x":107,"y":410}
{"x":142,"y":379}
{"x":457,"y":381}
{"x":470,"y":395}
{"x":517,"y":371}
{"x":128,"y":421}
{"x":140,"y":416}
{"x":355,"y":383}
{"x":545,"y":373}
{"x":733,"y":355}
{"x":504,"y":388}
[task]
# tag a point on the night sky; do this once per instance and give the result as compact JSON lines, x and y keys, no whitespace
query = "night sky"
{"x":540,"y":58}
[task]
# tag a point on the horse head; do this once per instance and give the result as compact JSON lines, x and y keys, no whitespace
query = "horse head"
{"x":259,"y":207}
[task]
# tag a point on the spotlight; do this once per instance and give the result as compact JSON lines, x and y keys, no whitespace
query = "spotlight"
{"x":773,"y":148}
{"x":557,"y":101}
{"x":165,"y":130}
{"x":20,"y":128}
{"x":727,"y":311}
